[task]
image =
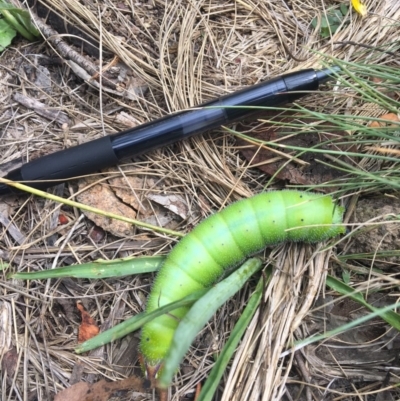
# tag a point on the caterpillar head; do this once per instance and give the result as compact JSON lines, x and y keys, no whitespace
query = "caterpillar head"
{"x":151,"y":370}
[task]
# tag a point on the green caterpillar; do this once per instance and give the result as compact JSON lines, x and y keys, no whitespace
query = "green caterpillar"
{"x":223,"y":241}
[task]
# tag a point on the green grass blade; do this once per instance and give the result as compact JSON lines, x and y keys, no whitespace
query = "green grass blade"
{"x":98,"y":269}
{"x":389,"y":316}
{"x":82,"y":206}
{"x":134,"y":323}
{"x":4,"y":265}
{"x":344,"y":289}
{"x":211,"y":384}
{"x":200,"y":313}
{"x":338,"y":330}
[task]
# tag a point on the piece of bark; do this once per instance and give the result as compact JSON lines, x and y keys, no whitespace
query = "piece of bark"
{"x":66,"y":51}
{"x":121,"y":83}
{"x":50,"y":113}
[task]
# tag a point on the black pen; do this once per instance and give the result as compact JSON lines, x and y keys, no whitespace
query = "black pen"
{"x":109,"y":150}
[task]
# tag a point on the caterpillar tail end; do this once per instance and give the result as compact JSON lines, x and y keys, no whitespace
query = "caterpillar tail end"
{"x":337,"y":221}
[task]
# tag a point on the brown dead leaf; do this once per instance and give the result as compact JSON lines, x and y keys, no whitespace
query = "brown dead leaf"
{"x":346,"y":310}
{"x":289,"y":165}
{"x":97,"y":234}
{"x":9,"y":362}
{"x":88,"y":328}
{"x":174,"y":203}
{"x":138,"y":192}
{"x":12,"y":229}
{"x":388,"y":149}
{"x":102,"y":197}
{"x":102,"y":390}
{"x":127,"y":196}
{"x":389,"y":117}
{"x":125,"y":188}
{"x":377,"y":80}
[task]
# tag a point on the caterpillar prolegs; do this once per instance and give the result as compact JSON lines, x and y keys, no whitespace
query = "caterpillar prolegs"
{"x":222,"y":241}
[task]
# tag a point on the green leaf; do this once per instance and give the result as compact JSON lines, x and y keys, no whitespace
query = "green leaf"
{"x":7,"y":34}
{"x":98,"y":269}
{"x":344,"y":9}
{"x":324,"y":23}
{"x":388,"y":316}
{"x":338,"y":16}
{"x":341,"y":329}
{"x":211,"y":384}
{"x":325,"y":32}
{"x":200,"y":313}
{"x":330,"y":22}
{"x":19,"y":19}
{"x":346,"y":276}
{"x":134,"y":323}
{"x":334,"y":28}
{"x":314,"y":22}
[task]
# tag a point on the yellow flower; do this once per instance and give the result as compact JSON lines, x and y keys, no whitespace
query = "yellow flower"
{"x":359,"y":7}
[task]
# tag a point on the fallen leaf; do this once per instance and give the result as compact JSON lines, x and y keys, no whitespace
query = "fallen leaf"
{"x":136,"y":192}
{"x":102,"y":390}
{"x":88,"y":328}
{"x":377,"y":80}
{"x":370,"y":240}
{"x":102,"y":197}
{"x":389,"y":117}
{"x":9,"y":363}
{"x":174,"y":203}
{"x":129,"y":188}
{"x":128,"y":196}
{"x":125,"y":86}
{"x":62,"y":219}
{"x":10,"y":227}
{"x":97,"y":234}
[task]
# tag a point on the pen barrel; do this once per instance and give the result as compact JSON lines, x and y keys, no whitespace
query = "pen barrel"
{"x":65,"y":164}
